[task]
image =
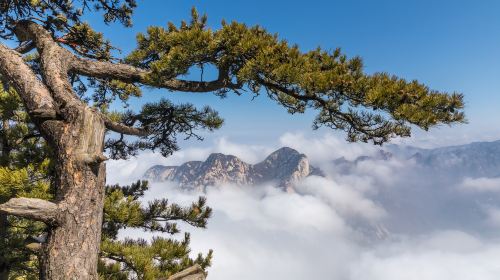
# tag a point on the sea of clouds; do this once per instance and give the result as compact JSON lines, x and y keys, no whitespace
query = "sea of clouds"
{"x":384,"y":220}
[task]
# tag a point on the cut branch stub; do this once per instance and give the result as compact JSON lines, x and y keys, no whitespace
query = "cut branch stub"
{"x":194,"y":272}
{"x":31,"y":208}
{"x":91,"y":158}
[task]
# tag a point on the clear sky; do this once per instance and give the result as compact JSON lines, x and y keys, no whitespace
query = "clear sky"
{"x":451,"y":45}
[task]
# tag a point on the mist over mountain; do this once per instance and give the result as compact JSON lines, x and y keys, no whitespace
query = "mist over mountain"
{"x":286,"y":166}
{"x":421,"y":189}
{"x":397,"y":207}
{"x":426,"y":190}
{"x":477,"y":159}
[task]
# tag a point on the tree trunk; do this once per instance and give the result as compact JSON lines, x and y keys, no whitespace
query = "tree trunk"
{"x":72,"y":247}
{"x":4,"y":266}
{"x":4,"y":223}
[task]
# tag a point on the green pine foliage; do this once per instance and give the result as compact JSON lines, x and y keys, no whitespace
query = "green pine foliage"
{"x":159,"y":258}
{"x":24,"y":172}
{"x":164,"y":121}
{"x":15,"y":245}
{"x":368,"y":107}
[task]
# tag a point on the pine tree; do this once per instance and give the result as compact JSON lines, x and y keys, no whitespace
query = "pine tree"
{"x":26,"y":172}
{"x":23,"y":173}
{"x":74,"y":121}
{"x":160,"y":258}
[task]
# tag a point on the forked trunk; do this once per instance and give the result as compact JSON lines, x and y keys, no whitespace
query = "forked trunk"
{"x":72,"y":247}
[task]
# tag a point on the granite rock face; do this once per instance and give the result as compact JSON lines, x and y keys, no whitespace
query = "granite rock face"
{"x":285,"y":166}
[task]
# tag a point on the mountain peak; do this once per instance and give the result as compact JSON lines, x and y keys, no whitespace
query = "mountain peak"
{"x":214,"y":157}
{"x":284,"y":151}
{"x":283,"y":154}
{"x":285,"y":166}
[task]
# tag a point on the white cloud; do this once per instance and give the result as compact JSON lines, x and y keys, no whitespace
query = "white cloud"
{"x":447,"y":255}
{"x":261,"y":233}
{"x":492,"y":216}
{"x":481,"y":184}
{"x":344,"y":199}
{"x":326,"y":147}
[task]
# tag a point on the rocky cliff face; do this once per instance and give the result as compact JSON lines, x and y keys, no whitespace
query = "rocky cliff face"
{"x":285,"y":166}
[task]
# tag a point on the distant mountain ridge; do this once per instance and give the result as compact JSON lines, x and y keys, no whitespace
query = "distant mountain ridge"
{"x":476,"y":159}
{"x":285,"y":166}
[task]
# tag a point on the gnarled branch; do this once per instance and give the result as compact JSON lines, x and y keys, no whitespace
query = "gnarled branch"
{"x":31,"y":208}
{"x":27,"y":30}
{"x":54,"y":61}
{"x":34,"y":93}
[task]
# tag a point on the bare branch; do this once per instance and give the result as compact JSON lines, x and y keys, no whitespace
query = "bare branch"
{"x":31,"y":208}
{"x":26,"y":47}
{"x":124,"y":129}
{"x":54,"y":64}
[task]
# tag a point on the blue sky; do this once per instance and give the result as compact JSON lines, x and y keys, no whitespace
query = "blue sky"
{"x":449,"y":45}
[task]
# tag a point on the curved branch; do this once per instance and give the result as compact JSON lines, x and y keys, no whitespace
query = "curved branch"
{"x":54,"y":59}
{"x":69,"y":62}
{"x":31,"y":208}
{"x":131,"y":74}
{"x":124,"y":129}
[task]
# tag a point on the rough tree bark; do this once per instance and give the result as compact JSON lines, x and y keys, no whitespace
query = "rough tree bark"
{"x":76,"y":132}
{"x":4,"y":267}
{"x":4,"y":223}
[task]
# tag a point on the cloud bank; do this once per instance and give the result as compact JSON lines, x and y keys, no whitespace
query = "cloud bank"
{"x":382,"y":220}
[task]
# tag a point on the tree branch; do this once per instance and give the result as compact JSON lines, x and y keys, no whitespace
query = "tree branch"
{"x":25,"y":47}
{"x":122,"y":128}
{"x":35,"y":95}
{"x":54,"y":64}
{"x":91,"y":158}
{"x":31,"y":208}
{"x":69,"y":62}
{"x":131,"y":74}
